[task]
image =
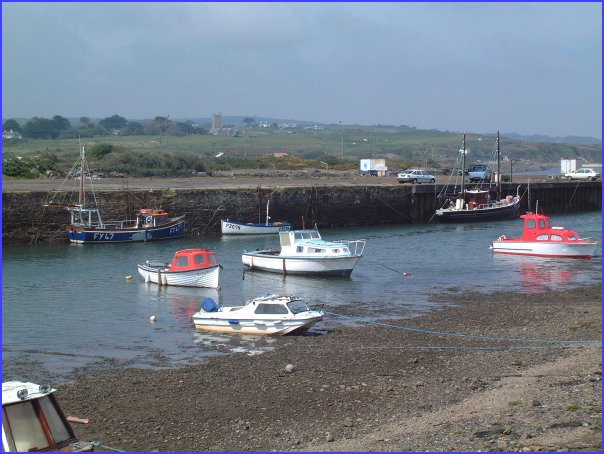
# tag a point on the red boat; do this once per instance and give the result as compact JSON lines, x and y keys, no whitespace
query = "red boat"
{"x":540,"y":239}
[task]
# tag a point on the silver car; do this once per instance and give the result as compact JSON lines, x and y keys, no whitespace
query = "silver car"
{"x":415,"y":176}
{"x":582,"y":174}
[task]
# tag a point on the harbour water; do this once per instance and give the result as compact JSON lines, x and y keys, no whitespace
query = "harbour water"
{"x":69,"y":309}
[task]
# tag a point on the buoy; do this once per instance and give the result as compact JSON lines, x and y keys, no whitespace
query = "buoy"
{"x":128,"y":278}
{"x":153,"y":318}
{"x":405,"y":274}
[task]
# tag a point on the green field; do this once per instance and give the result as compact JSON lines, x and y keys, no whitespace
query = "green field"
{"x":336,"y":147}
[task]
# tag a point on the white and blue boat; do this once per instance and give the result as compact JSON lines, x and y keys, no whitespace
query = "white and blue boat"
{"x":228,"y":227}
{"x":305,"y":252}
{"x":88,"y":226}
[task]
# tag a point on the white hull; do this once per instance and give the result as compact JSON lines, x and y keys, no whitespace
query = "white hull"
{"x":205,"y":322}
{"x":206,"y":277}
{"x":329,"y":266}
{"x":237,"y":228}
{"x":545,"y":249}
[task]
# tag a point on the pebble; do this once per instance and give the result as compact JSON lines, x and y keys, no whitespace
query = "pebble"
{"x":289,"y":368}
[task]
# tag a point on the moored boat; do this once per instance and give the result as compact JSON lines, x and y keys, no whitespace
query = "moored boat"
{"x":188,"y":268}
{"x":477,"y":205}
{"x":539,"y":238}
{"x":305,"y":252}
{"x":228,"y":227}
{"x":32,"y":420}
{"x":270,"y":314}
{"x":88,"y":226}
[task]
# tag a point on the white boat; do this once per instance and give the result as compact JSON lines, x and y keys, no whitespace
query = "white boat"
{"x":228,"y":227}
{"x":32,"y":420}
{"x":188,"y":268}
{"x":270,"y":314}
{"x":539,"y":238}
{"x":304,"y":252}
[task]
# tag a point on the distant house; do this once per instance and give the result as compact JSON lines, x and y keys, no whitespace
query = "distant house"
{"x":11,"y":135}
{"x":280,"y":155}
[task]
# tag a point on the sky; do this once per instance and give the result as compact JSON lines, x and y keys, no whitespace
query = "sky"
{"x":528,"y":68}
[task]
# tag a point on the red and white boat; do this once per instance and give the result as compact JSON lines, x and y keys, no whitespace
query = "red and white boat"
{"x":540,"y":239}
{"x":189,"y":268}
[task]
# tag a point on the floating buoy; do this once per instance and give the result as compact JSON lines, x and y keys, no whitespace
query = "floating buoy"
{"x":153,"y":318}
{"x":405,"y":274}
{"x":128,"y":278}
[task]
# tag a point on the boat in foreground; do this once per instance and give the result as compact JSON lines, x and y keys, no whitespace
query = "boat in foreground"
{"x":32,"y":420}
{"x":188,"y":268}
{"x":88,"y":226}
{"x":228,"y":227}
{"x":539,"y":238}
{"x":305,"y":252}
{"x":270,"y":314}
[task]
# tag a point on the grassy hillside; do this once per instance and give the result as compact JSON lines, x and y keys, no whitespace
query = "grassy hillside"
{"x":338,"y":147}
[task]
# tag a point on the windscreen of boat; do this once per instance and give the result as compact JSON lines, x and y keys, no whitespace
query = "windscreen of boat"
{"x":28,"y":433}
{"x":263,"y":308}
{"x":297,"y":306}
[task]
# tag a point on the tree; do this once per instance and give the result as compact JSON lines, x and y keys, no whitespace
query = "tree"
{"x":60,"y":123}
{"x":84,"y":120}
{"x":40,"y":128}
{"x":11,"y":125}
{"x":113,"y":122}
{"x":249,"y":121}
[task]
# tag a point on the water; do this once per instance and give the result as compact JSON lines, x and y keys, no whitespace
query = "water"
{"x":71,"y":308}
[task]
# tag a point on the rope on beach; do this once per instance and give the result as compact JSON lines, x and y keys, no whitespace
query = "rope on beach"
{"x":97,"y":444}
{"x":467,"y":336}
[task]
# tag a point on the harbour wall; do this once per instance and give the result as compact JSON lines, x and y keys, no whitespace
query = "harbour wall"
{"x":25,"y":220}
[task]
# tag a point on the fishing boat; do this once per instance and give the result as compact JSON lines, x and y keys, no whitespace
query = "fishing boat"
{"x":476,"y":205}
{"x":539,"y":238}
{"x":305,"y":252}
{"x":241,"y":228}
{"x":270,"y":314}
{"x":87,"y":224}
{"x":32,"y":420}
{"x":188,"y":268}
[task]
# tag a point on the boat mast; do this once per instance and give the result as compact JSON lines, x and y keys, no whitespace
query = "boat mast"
{"x":498,"y":172}
{"x":267,"y":216}
{"x":83,"y":160}
{"x":463,"y":165}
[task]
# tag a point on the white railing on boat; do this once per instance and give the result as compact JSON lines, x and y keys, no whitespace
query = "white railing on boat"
{"x":355,"y":247}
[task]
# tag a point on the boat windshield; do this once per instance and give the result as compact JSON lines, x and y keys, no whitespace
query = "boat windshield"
{"x":307,"y":235}
{"x":27,"y":431}
{"x":297,"y":306}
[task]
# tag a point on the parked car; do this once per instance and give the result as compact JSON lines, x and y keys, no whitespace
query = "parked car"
{"x":479,"y":172}
{"x":415,"y":176}
{"x":583,"y":174}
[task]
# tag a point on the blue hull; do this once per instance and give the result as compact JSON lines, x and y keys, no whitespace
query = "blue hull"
{"x":173,"y":230}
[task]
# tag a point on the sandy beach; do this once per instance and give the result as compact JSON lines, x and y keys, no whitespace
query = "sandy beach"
{"x":496,"y":372}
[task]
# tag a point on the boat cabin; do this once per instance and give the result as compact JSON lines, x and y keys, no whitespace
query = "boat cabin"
{"x":193,"y":259}
{"x":151,"y":218}
{"x":274,"y":304}
{"x":33,"y":421}
{"x":309,"y":243}
{"x":537,"y":227}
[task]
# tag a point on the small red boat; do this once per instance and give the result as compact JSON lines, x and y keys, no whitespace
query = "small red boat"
{"x":540,"y":239}
{"x":188,"y":268}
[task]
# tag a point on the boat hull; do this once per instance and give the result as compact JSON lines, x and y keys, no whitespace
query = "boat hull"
{"x":83,"y":235}
{"x":239,"y":228}
{"x":206,"y":277}
{"x":577,"y":250}
{"x":322,"y":266}
{"x":204,"y":322}
{"x":496,"y":213}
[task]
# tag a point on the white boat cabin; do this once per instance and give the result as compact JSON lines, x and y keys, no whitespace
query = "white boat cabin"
{"x":310,"y":243}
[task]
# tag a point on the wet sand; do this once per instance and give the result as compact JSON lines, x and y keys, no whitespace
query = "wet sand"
{"x":456,"y":379}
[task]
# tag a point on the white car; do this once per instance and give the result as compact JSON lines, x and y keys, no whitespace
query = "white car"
{"x":415,"y":176}
{"x":582,"y":174}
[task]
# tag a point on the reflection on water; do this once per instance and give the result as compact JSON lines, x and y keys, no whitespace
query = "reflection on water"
{"x":236,"y":343}
{"x":66,"y":307}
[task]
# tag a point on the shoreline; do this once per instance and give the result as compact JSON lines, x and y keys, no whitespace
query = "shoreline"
{"x":375,"y":387}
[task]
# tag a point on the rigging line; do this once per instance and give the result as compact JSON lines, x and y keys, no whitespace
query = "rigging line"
{"x":393,"y":209}
{"x":468,"y":336}
{"x":572,"y":196}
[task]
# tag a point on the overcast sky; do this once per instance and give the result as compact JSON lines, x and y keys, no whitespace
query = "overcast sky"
{"x":530,"y":68}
